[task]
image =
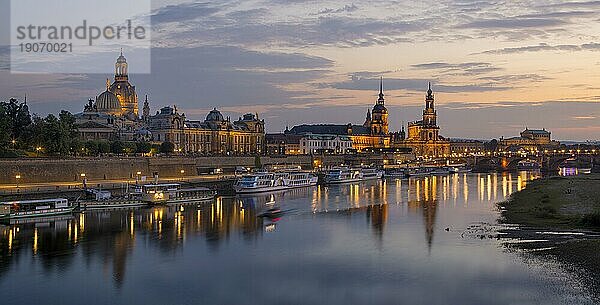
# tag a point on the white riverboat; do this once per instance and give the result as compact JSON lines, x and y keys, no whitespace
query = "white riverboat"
{"x":35,"y":208}
{"x":342,"y":175}
{"x":457,"y":169}
{"x":346,"y":175}
{"x":420,"y":171}
{"x":273,"y":181}
{"x":170,"y":193}
{"x":369,"y":173}
{"x":527,"y":165}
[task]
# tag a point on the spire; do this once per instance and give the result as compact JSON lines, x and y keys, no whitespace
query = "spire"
{"x":107,"y":84}
{"x":25,"y":100}
{"x":121,"y":51}
{"x":429,"y":91}
{"x":381,"y":100}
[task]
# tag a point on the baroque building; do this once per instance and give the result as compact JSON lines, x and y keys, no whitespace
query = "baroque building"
{"x":530,"y":139}
{"x":424,"y":135}
{"x":215,"y":135}
{"x":373,"y":133}
{"x":114,"y":115}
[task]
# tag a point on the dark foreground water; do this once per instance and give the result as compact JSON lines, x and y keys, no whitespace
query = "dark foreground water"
{"x":382,"y":242}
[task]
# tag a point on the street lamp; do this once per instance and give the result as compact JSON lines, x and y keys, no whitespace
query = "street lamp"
{"x":137,"y":177}
{"x":18,"y":177}
{"x":182,"y":174}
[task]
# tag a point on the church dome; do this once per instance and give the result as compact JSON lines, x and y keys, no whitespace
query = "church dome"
{"x":107,"y":102}
{"x":379,"y":108}
{"x":214,"y":116}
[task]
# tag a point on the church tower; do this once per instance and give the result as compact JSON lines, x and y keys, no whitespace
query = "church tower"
{"x":379,"y":115}
{"x":124,"y":91}
{"x":429,"y":113}
{"x":367,"y":122}
{"x":146,"y":110}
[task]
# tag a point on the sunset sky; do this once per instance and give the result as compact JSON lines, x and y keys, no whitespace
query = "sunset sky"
{"x":495,"y":66}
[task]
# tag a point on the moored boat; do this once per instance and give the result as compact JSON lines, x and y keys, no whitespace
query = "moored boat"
{"x":420,"y":171}
{"x":526,"y":165}
{"x":395,"y":173}
{"x":457,"y":169}
{"x":35,"y":208}
{"x":170,"y":193}
{"x":369,"y":173}
{"x":342,"y":175}
{"x":274,"y":181}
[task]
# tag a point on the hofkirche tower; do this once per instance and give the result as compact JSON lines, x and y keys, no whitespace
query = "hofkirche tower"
{"x":377,"y":119}
{"x":123,"y":90}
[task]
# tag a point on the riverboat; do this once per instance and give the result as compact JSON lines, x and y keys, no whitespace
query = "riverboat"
{"x":35,"y":208}
{"x":274,"y":181}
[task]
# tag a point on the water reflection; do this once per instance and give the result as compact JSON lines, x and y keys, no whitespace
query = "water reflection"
{"x":399,"y":218}
{"x":110,"y":235}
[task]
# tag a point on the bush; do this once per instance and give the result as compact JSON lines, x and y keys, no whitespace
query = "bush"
{"x":143,"y":147}
{"x":167,"y":147}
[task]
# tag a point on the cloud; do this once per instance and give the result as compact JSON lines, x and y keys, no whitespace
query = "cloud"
{"x":582,"y":4}
{"x":592,"y":46}
{"x":183,"y":12}
{"x":467,"y":68}
{"x":514,"y":78}
{"x":513,"y":23}
{"x":192,"y":78}
{"x":345,"y":9}
{"x":417,"y":85}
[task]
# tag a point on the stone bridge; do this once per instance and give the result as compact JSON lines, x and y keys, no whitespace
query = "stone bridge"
{"x":546,"y":162}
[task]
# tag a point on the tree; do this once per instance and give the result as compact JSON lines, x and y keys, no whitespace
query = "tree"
{"x":143,"y":147}
{"x":129,"y":147}
{"x":103,"y":147}
{"x":15,"y":123}
{"x":55,"y":136}
{"x":257,"y":162}
{"x":167,"y":148}
{"x":91,"y":148}
{"x":117,"y":147}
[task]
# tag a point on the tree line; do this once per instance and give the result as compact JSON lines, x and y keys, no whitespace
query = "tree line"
{"x":24,"y":134}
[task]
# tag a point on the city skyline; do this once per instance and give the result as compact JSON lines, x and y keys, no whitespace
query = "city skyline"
{"x":297,"y":63}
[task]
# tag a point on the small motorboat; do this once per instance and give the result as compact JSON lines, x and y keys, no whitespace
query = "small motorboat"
{"x":272,"y":213}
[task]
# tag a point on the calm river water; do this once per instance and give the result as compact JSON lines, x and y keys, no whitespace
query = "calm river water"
{"x":381,"y":242}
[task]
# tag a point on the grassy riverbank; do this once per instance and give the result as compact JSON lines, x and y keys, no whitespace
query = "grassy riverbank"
{"x":558,"y":203}
{"x":561,"y":204}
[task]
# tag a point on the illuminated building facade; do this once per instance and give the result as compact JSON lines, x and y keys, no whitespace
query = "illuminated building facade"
{"x":373,"y":133}
{"x":424,"y":136}
{"x":113,"y":115}
{"x":215,"y":135}
{"x":530,"y":139}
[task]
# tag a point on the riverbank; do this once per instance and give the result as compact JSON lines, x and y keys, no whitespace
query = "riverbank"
{"x":556,"y":202}
{"x":567,"y":209}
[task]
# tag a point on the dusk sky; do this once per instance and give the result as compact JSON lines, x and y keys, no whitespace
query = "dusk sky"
{"x":495,"y":66}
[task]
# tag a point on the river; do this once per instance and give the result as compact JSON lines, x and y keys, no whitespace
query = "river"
{"x":420,"y":241}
